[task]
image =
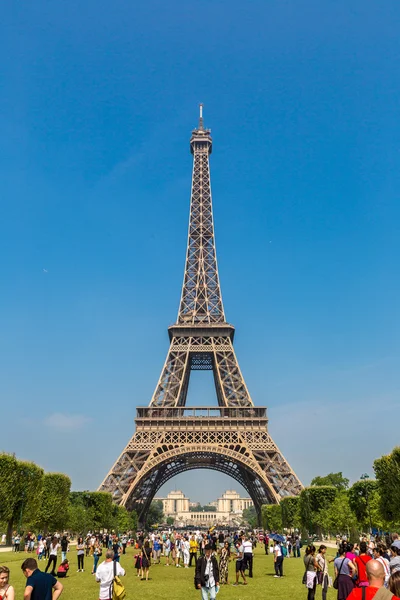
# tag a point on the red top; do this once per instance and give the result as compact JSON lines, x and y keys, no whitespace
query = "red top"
{"x":370,"y":592}
{"x":361,"y":561}
{"x":63,"y":568}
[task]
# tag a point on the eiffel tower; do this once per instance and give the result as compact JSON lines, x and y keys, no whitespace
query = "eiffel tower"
{"x":171,"y":438}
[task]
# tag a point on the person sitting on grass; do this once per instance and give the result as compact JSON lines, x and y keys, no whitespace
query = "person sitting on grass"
{"x":63,"y":569}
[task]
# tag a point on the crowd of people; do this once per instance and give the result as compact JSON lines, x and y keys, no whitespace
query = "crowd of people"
{"x":360,"y":571}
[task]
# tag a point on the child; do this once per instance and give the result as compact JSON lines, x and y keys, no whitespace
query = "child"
{"x":138,"y":563}
{"x":40,"y":549}
{"x":63,"y":569}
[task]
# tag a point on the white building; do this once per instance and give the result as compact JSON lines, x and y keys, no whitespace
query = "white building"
{"x":226,"y":510}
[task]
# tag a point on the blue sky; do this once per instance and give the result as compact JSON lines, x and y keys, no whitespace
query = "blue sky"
{"x":97,"y":103}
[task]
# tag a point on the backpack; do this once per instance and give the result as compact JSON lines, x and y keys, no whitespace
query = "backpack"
{"x":118,"y":588}
{"x":284,"y":550}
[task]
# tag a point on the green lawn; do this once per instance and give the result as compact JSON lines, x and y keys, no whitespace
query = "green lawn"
{"x":170,"y":583}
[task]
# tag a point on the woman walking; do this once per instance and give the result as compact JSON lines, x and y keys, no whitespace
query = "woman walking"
{"x":97,"y":552}
{"x":6,"y":590}
{"x":311,"y":565}
{"x":80,"y":551}
{"x":224,"y":564}
{"x":53,"y":550}
{"x":322,"y":573}
{"x":361,"y":561}
{"x":146,"y":554}
{"x":344,"y":567}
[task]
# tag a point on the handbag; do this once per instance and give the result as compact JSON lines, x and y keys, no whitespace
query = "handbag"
{"x":320,"y":575}
{"x":304,"y":580}
{"x":336,"y":582}
{"x":118,"y":588}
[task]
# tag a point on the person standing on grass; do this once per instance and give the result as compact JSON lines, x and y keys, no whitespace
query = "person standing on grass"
{"x":240,"y":563}
{"x":247,"y":555}
{"x":105,"y":575}
{"x":80,"y":551}
{"x":64,"y":547}
{"x":361,"y":563}
{"x":185,"y":545}
{"x":39,"y":585}
{"x":224,"y":564}
{"x":156,"y":551}
{"x":146,"y":559}
{"x":117,"y":548}
{"x":378,"y":554}
{"x":206,"y":577}
{"x":124,"y":541}
{"x":6,"y":590}
{"x":311,"y":565}
{"x":344,"y":567}
{"x":193,"y":550}
{"x":53,"y":550}
{"x":323,"y":573}
{"x":97,"y":552}
{"x":278,"y":560}
{"x":167,"y":550}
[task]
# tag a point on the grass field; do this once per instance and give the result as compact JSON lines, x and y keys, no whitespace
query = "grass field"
{"x":170,"y":583}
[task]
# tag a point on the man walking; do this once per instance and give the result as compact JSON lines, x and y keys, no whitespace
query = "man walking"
{"x":39,"y":585}
{"x":206,"y":578}
{"x":105,"y":575}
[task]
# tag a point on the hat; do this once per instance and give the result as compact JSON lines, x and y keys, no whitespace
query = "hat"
{"x":395,"y":544}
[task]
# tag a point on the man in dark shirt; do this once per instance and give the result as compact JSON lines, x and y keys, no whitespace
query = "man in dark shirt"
{"x":39,"y":585}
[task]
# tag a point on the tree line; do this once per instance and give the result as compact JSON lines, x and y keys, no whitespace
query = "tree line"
{"x":330,"y":505}
{"x":32,"y":500}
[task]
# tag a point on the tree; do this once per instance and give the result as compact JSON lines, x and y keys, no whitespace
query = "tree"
{"x":387,"y":471}
{"x":134,"y":520}
{"x":250,"y":516}
{"x":155,"y":513}
{"x":79,"y":519}
{"x":339,"y":515}
{"x":361,"y":495}
{"x":24,"y":502}
{"x":122,"y":519}
{"x":91,"y":511}
{"x":332,"y":479}
{"x":54,"y":502}
{"x":8,"y":484}
{"x":290,"y":512}
{"x":313,"y":504}
{"x":271,"y":517}
{"x":170,"y":520}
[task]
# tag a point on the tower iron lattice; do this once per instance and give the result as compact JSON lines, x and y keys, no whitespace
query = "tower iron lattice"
{"x":171,"y":438}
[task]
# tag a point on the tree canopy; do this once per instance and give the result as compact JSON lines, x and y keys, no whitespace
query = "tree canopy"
{"x":387,"y":471}
{"x":332,"y":479}
{"x":54,"y":502}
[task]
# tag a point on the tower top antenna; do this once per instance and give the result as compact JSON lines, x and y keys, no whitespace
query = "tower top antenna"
{"x":201,"y":123}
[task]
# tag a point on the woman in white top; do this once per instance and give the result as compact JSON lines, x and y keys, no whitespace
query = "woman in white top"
{"x":6,"y":590}
{"x":54,"y":546}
